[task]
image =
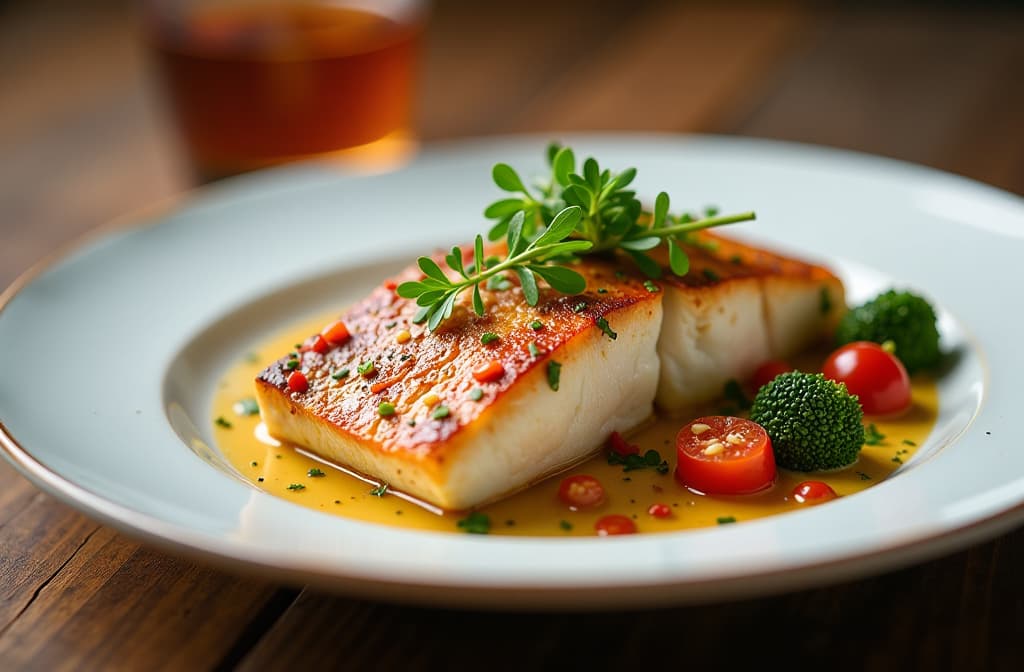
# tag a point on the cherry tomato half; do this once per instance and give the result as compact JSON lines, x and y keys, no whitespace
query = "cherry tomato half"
{"x":813,"y":492}
{"x":724,"y":455}
{"x":766,"y":373}
{"x":615,"y":524}
{"x":581,"y":492}
{"x":873,"y":374}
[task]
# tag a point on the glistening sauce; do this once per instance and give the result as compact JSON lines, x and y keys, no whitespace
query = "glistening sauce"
{"x":285,"y":471}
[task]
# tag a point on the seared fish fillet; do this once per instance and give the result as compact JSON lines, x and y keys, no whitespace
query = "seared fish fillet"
{"x":738,"y":307}
{"x":453,"y":440}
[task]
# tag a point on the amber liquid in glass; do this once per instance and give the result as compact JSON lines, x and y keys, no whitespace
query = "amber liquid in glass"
{"x":261,"y":84}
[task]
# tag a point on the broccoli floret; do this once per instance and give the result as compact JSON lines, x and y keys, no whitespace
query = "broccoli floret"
{"x":905,"y":319}
{"x":814,"y":423}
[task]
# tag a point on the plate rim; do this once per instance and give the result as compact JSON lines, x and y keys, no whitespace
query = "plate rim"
{"x":180,"y":540}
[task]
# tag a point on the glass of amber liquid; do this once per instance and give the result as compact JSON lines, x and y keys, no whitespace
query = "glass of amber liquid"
{"x":257,"y":83}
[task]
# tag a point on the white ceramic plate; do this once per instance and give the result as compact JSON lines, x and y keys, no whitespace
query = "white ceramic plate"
{"x":110,"y":358}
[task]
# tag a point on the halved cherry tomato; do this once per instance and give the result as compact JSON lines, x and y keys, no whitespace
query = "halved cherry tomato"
{"x":620,"y":446}
{"x":488,"y":372}
{"x":319,"y":344}
{"x":813,"y":492}
{"x":297,"y":382}
{"x":766,"y":373}
{"x":614,"y":524}
{"x":581,"y":492}
{"x":724,"y":455}
{"x":875,"y":375}
{"x":659,"y":510}
{"x":336,"y":333}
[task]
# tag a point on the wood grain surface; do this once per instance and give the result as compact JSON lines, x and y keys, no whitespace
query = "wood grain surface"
{"x":84,"y":138}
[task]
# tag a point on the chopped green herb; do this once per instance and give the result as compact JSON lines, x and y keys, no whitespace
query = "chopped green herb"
{"x":710,"y":211}
{"x":221,"y":421}
{"x":315,"y":473}
{"x":475,"y":523}
{"x":710,"y":275}
{"x":872,"y":437}
{"x":291,"y":364}
{"x":565,"y":525}
{"x":536,"y":325}
{"x":254,"y":463}
{"x":579,"y":307}
{"x":897,"y":459}
{"x":440,"y":413}
{"x":391,"y":325}
{"x":476,"y":394}
{"x":411,"y":423}
{"x":380,"y":490}
{"x":293,"y":355}
{"x":488,"y":337}
{"x":339,"y":374}
{"x":386,"y":409}
{"x":908,"y":442}
{"x":296,"y":487}
{"x":534,"y":350}
{"x":651,"y":287}
{"x":649,"y":460}
{"x":863,"y":476}
{"x":602,"y":290}
{"x":404,"y":357}
{"x":734,"y":392}
{"x":554,"y":374}
{"x":366,"y":368}
{"x":247,"y":406}
{"x":725,"y":520}
{"x":603,"y":325}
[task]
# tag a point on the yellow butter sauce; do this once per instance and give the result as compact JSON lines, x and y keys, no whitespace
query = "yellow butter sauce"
{"x":295,"y":475}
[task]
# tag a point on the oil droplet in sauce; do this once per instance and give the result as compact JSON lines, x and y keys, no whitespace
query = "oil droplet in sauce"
{"x":297,"y":475}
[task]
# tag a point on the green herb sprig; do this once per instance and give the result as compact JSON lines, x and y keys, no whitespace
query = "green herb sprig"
{"x":613,"y":216}
{"x":436,"y":293}
{"x":569,"y":214}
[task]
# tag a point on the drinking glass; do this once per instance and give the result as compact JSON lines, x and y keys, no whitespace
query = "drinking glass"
{"x":256,"y":83}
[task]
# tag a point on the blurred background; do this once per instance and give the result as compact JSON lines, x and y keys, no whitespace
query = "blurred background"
{"x":91,"y":105}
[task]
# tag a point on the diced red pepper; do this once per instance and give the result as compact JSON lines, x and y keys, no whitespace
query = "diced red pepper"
{"x":660,"y":510}
{"x":336,"y":333}
{"x":620,"y":446}
{"x":297,"y":382}
{"x":488,"y":372}
{"x":320,"y":344}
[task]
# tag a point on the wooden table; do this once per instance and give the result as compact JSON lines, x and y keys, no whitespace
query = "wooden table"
{"x":83,"y":139}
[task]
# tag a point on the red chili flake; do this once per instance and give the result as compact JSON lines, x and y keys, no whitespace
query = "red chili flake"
{"x":620,"y":446}
{"x":297,"y":382}
{"x":660,"y":510}
{"x":391,"y":284}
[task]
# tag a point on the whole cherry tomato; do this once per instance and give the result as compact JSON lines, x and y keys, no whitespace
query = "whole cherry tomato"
{"x":875,"y":375}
